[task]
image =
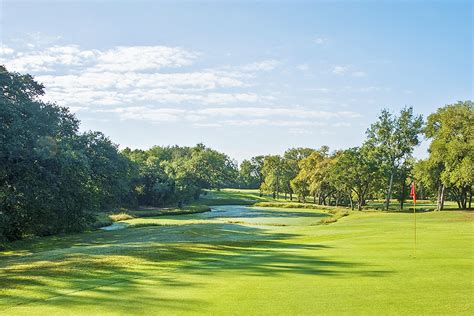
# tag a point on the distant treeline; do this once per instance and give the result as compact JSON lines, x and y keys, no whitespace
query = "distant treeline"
{"x":382,"y":167}
{"x":53,"y":178}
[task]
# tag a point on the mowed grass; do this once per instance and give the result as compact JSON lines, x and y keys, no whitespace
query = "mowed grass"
{"x":241,"y":260}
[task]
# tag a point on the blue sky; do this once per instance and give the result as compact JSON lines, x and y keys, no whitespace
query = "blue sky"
{"x":241,"y":77}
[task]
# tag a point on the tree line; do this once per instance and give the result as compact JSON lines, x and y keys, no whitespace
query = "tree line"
{"x":383,"y":167}
{"x":53,"y":178}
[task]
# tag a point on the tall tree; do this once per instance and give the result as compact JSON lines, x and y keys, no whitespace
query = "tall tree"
{"x":393,"y":139}
{"x":272,"y":172}
{"x":355,"y":171}
{"x":290,"y":166}
{"x":451,"y":130}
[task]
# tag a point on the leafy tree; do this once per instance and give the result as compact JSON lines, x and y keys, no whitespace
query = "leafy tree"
{"x":355,"y":171}
{"x":427,"y":173}
{"x":313,"y":176}
{"x":452,"y":149}
{"x":248,"y":177}
{"x":40,"y":163}
{"x":393,"y":138}
{"x":290,"y":167}
{"x":257,"y":167}
{"x":272,"y":173}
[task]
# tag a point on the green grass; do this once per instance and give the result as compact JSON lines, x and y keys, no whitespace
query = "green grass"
{"x":240,"y":260}
{"x":231,"y":197}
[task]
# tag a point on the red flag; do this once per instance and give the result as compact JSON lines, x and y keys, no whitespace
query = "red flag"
{"x":413,"y":192}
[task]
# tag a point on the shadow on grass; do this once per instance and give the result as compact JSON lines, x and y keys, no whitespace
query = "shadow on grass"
{"x":113,"y":267}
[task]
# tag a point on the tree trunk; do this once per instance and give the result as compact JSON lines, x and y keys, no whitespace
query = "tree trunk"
{"x":402,"y":197}
{"x":464,"y":198}
{"x":470,"y":197}
{"x":440,"y":204}
{"x":443,"y":189}
{"x":438,"y":200}
{"x":389,"y":191}
{"x":291,"y":196}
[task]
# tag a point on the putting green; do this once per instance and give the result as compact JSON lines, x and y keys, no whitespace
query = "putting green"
{"x":240,"y":260}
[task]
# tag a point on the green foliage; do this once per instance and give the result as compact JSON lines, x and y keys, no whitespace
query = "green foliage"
{"x":451,"y":161}
{"x":355,"y":172}
{"x":177,"y":175}
{"x":53,"y":178}
{"x":250,"y":173}
{"x":391,"y":139}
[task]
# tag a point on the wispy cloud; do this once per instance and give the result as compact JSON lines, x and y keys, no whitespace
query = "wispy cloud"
{"x":231,"y":116}
{"x":5,"y":50}
{"x":119,"y":59}
{"x":351,"y":89}
{"x":131,"y":75}
{"x":161,"y":84}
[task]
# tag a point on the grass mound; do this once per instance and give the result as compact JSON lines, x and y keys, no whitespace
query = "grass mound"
{"x":336,"y":215}
{"x":120,"y":217}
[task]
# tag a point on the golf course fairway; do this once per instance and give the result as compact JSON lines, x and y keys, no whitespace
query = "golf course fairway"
{"x":246,"y":261}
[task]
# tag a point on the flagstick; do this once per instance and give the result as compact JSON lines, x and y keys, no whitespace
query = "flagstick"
{"x":414,"y":215}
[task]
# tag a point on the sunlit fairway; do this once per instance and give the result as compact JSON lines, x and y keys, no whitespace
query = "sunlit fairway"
{"x":241,"y":260}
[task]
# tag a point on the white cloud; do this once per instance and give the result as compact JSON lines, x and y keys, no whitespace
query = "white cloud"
{"x":157,"y":84}
{"x":351,"y":89}
{"x":140,"y":58}
{"x":119,"y":59}
{"x":5,"y":50}
{"x":109,"y":88}
{"x":46,"y":60}
{"x":133,"y":75}
{"x":232,"y":116}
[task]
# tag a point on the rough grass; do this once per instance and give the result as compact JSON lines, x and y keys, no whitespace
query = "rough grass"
{"x":294,"y":205}
{"x":246,"y":261}
{"x":336,"y":215}
{"x":120,"y":217}
{"x":336,"y":212}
